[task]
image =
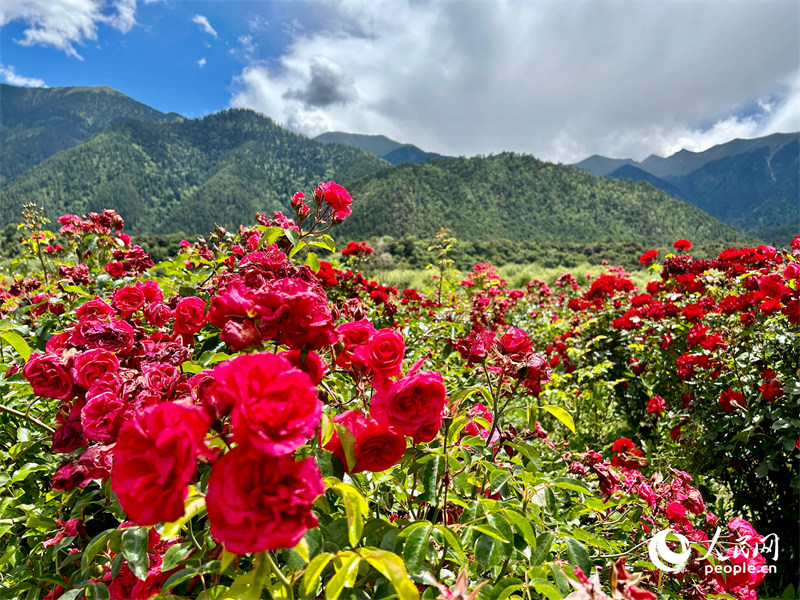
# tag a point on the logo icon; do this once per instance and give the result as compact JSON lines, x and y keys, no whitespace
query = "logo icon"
{"x":661,"y":553}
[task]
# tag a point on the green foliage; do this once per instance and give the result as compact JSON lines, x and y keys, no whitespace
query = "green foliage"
{"x":184,"y":176}
{"x":36,"y":123}
{"x":525,"y":199}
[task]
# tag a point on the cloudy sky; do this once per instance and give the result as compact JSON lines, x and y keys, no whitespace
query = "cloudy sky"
{"x":560,"y":80}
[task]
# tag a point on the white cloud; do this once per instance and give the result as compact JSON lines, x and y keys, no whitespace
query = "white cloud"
{"x":202,"y":62}
{"x":64,"y":23}
{"x":559,"y":80}
{"x":10,"y":76}
{"x":203,"y":23}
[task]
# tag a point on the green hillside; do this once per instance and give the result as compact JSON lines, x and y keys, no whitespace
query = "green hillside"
{"x":184,"y":176}
{"x":751,"y":184}
{"x":521,"y":198}
{"x":38,"y":122}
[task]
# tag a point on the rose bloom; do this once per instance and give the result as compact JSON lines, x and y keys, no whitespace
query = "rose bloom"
{"x":656,"y":405}
{"x":189,"y":317}
{"x":114,"y":335}
{"x":515,"y":343}
{"x":377,"y":447}
{"x":338,"y":197}
{"x":730,"y":400}
{"x":413,"y":405}
{"x":275,"y":405}
{"x":68,"y":437}
{"x":682,"y":245}
{"x":308,"y":362}
{"x":48,"y":377}
{"x":101,"y":418}
{"x":88,"y":366}
{"x":128,"y":299}
{"x":95,"y":309}
{"x":353,"y":334}
{"x":647,"y":257}
{"x":154,"y":460}
{"x":257,"y":502}
{"x":157,"y":314}
{"x":384,"y":353}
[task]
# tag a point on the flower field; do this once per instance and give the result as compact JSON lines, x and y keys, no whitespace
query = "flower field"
{"x":247,"y":420}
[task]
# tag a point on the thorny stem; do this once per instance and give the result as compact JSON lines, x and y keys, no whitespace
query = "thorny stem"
{"x":29,"y":418}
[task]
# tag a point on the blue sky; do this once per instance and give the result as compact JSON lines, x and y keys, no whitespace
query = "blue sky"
{"x":561,"y":80}
{"x":157,"y":60}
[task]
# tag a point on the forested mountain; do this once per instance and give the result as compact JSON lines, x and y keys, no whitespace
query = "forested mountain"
{"x":521,"y":198}
{"x":38,"y":122}
{"x":387,"y":149}
{"x":751,"y":184}
{"x":186,"y":175}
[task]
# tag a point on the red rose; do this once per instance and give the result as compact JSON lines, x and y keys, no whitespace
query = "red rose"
{"x":48,"y":377}
{"x":623,"y":444}
{"x":338,"y":198}
{"x":384,"y":353}
{"x":152,"y":293}
{"x":114,"y":335}
{"x":647,"y":257}
{"x":377,"y":447}
{"x":157,"y":314}
{"x":730,"y":400}
{"x":239,"y":334}
{"x":67,"y":438}
{"x":656,"y":405}
{"x":353,"y":334}
{"x":475,"y":347}
{"x":189,"y":316}
{"x":93,"y":310}
{"x":675,"y":511}
{"x":115,"y":269}
{"x":413,"y":405}
{"x":515,"y":343}
{"x":101,"y":418}
{"x":303,"y":317}
{"x":275,"y":405}
{"x":308,"y":362}
{"x":682,"y":244}
{"x":154,"y":460}
{"x":92,"y":364}
{"x":127,"y":300}
{"x":258,"y":502}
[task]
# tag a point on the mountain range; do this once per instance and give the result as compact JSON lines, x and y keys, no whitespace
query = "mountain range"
{"x":753,"y":184}
{"x":81,"y":149}
{"x":36,"y":123}
{"x":387,"y":149}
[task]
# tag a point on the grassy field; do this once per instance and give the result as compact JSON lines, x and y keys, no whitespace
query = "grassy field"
{"x":517,"y":275}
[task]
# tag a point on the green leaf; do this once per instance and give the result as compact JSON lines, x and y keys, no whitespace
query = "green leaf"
{"x":355,"y":507}
{"x":313,"y":573}
{"x":343,"y":574}
{"x":578,"y":556}
{"x":94,"y":547}
{"x":452,"y":539}
{"x":392,"y":567}
{"x":543,"y":543}
{"x":292,"y":236}
{"x":491,"y":532}
{"x":312,"y":261}
{"x":193,"y":505}
{"x":174,"y":556}
{"x":560,"y":414}
{"x":416,"y":548}
{"x":348,"y":441}
{"x":430,"y":477}
{"x":571,"y":484}
{"x":97,"y":591}
{"x":523,"y":526}
{"x":134,"y":549}
{"x":17,"y":342}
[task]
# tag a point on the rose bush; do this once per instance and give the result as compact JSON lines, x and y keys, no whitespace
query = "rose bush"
{"x":247,"y":421}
